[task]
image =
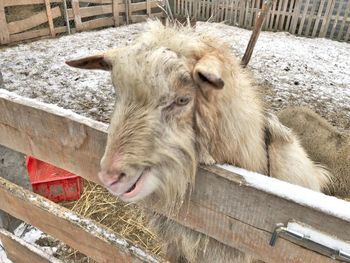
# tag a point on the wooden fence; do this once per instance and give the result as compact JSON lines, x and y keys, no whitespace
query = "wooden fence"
{"x":224,"y":205}
{"x":53,"y":17}
{"x":311,"y":18}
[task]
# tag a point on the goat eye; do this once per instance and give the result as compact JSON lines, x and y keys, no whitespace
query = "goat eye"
{"x":182,"y":101}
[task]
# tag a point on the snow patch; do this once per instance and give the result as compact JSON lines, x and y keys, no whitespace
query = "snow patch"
{"x":3,"y":256}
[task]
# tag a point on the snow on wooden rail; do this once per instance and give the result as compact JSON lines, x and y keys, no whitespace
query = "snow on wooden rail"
{"x":240,"y":209}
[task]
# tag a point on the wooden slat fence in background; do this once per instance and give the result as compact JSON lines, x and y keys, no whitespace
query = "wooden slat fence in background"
{"x":82,"y":15}
{"x":311,"y":18}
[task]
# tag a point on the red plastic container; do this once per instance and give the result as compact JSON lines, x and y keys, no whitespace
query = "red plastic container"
{"x":52,"y":182}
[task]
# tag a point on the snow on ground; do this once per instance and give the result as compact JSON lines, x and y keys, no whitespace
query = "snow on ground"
{"x":292,"y":70}
{"x":3,"y":256}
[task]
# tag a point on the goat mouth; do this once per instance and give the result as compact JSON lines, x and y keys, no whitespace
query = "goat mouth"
{"x":136,"y":187}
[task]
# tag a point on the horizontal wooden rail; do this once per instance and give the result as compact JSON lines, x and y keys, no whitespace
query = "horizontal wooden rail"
{"x":33,"y":21}
{"x":18,"y":250}
{"x":107,"y":9}
{"x":85,"y":235}
{"x":224,"y":205}
{"x":27,"y":2}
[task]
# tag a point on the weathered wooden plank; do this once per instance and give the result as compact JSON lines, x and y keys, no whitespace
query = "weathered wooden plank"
{"x":92,"y":11}
{"x":99,"y":22}
{"x":148,"y":7}
{"x":256,"y":31}
{"x":116,"y":11}
{"x":142,"y":18}
{"x":302,"y":21}
{"x":4,"y":32}
{"x":108,"y":9}
{"x":278,"y":15}
{"x":296,"y":14}
{"x":49,"y":17}
{"x":335,"y":22}
{"x":310,"y":18}
{"x":271,"y":14}
{"x":90,"y":238}
{"x":36,"y":34}
{"x":77,"y":15}
{"x":241,"y":12}
{"x":33,"y":21}
{"x":228,"y":215}
{"x":346,"y":15}
{"x":289,"y":15}
{"x":283,"y":16}
{"x":96,"y":1}
{"x":18,"y":250}
{"x":347,"y":36}
{"x":27,"y":2}
{"x":318,"y":18}
{"x":327,"y":18}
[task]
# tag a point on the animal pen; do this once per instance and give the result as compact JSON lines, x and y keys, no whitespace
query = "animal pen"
{"x":232,"y":206}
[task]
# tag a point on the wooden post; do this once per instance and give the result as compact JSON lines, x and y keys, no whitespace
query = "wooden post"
{"x":302,"y":21}
{"x":127,"y":8}
{"x":66,"y":16}
{"x":77,"y":15}
{"x":295,"y":18}
{"x":336,"y":19}
{"x":318,"y":18}
{"x":327,"y":18}
{"x":311,"y":17}
{"x":346,"y":15}
{"x":284,"y":17}
{"x":4,"y":32}
{"x":259,"y":22}
{"x":116,"y":12}
{"x":148,"y":7}
{"x":49,"y":17}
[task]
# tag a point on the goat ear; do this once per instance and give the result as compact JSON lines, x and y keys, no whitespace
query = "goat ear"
{"x":208,"y":73}
{"x":94,"y":62}
{"x":101,"y":61}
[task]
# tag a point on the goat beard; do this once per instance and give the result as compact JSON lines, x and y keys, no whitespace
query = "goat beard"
{"x":176,"y":177}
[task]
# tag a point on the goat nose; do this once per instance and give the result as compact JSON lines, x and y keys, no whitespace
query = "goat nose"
{"x":109,"y":178}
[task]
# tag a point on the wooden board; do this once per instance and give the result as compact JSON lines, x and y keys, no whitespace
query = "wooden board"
{"x":36,"y":34}
{"x":302,"y":21}
{"x":49,"y":17}
{"x":116,"y":11}
{"x":295,"y":18}
{"x":18,"y":250}
{"x":77,"y":15}
{"x":90,"y":238}
{"x":228,"y":214}
{"x":99,"y":22}
{"x":33,"y":21}
{"x":346,"y":14}
{"x":27,"y":2}
{"x":108,"y":9}
{"x":4,"y":32}
{"x":326,"y":18}
{"x":318,"y":18}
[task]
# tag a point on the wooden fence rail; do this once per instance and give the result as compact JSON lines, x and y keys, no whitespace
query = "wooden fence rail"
{"x":50,"y":20}
{"x":239,"y":214}
{"x":311,"y":18}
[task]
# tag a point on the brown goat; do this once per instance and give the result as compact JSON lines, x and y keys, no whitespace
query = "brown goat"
{"x":324,"y":143}
{"x":182,"y":100}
